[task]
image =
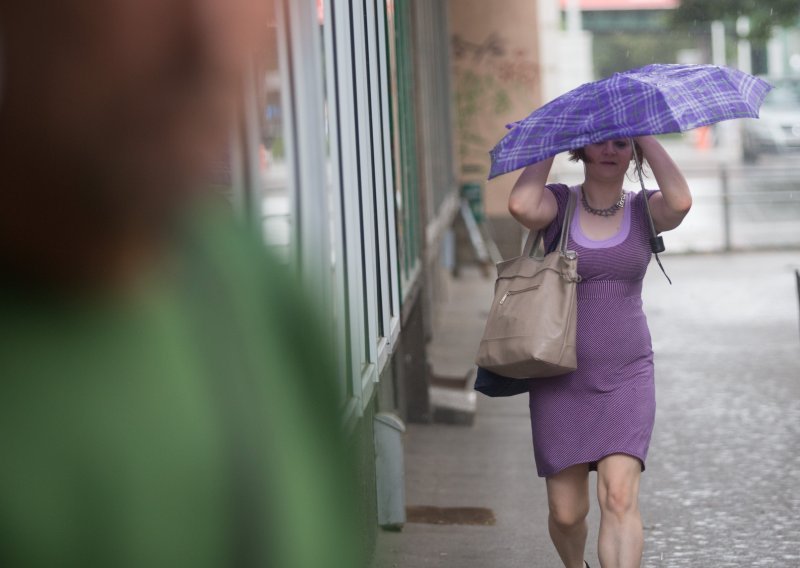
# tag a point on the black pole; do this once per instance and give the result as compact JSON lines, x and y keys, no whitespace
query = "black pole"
{"x":726,"y":206}
{"x":797,"y":277}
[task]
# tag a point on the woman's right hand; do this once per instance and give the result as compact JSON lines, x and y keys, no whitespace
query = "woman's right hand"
{"x":530,"y":203}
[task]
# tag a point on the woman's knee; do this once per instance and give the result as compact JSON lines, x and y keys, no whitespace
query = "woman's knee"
{"x":568,"y":496}
{"x":618,"y":484}
{"x":568,"y":516}
{"x":618,"y":498}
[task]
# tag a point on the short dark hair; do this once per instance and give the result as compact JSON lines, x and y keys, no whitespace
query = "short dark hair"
{"x":579,"y":154}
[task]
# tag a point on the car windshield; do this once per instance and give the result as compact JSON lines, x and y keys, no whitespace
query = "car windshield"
{"x":785,"y":94}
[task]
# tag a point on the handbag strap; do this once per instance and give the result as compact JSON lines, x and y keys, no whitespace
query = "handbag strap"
{"x":564,"y":239}
{"x":656,"y":242}
{"x":533,"y":242}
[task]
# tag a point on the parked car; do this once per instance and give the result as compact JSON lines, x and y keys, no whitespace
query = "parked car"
{"x":778,"y":128}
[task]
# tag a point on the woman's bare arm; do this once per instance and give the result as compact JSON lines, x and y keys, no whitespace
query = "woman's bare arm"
{"x":530,"y":203}
{"x":673,"y":202}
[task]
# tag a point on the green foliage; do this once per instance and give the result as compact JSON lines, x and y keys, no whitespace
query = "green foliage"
{"x":763,"y":14}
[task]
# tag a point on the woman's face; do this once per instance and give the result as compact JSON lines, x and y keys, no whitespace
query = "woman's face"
{"x":608,"y":160}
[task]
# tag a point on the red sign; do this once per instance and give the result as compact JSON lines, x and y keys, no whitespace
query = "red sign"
{"x":601,"y":5}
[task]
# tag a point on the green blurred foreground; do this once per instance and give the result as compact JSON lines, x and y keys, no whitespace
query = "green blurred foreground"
{"x":188,"y":424}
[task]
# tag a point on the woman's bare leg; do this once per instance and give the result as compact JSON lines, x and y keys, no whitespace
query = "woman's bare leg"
{"x":621,"y":539}
{"x":568,"y":501}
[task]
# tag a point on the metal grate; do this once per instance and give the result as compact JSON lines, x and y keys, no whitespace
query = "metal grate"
{"x":450,"y":515}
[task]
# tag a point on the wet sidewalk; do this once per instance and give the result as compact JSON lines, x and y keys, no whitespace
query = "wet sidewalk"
{"x":724,"y":464}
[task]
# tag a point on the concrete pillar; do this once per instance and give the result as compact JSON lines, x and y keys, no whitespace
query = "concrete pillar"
{"x":718,"y":43}
{"x":497,"y":80}
{"x":744,"y":52}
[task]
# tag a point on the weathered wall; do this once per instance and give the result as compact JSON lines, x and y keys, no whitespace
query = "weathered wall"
{"x":497,"y":80}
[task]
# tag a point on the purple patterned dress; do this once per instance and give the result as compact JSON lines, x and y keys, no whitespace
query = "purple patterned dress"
{"x":608,"y":404}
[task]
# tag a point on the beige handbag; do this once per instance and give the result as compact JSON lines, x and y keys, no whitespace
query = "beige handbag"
{"x":530,"y":331}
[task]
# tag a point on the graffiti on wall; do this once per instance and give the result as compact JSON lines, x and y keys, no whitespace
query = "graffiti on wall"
{"x":495,"y":81}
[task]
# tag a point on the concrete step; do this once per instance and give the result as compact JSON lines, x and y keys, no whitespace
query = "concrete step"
{"x":453,"y":399}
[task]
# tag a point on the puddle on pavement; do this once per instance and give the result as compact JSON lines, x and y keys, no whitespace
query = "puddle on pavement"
{"x":449,"y":515}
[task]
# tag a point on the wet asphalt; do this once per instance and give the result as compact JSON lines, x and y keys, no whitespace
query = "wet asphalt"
{"x":722,"y":486}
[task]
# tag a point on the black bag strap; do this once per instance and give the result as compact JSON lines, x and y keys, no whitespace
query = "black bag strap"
{"x":656,"y":242}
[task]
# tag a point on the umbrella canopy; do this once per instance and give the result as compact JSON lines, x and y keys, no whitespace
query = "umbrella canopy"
{"x":655,"y":99}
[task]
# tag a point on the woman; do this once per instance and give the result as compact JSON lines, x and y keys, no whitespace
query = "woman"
{"x":600,"y":417}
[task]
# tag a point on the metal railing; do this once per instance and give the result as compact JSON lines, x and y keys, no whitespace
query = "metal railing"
{"x":741,"y":207}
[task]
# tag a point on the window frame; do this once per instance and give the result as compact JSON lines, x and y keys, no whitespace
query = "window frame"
{"x":392,"y":306}
{"x":335,"y":72}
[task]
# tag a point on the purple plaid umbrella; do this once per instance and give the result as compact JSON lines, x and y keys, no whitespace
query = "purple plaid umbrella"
{"x":655,"y":99}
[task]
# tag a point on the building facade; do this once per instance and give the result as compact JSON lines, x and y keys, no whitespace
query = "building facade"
{"x":508,"y":59}
{"x":344,"y":162}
